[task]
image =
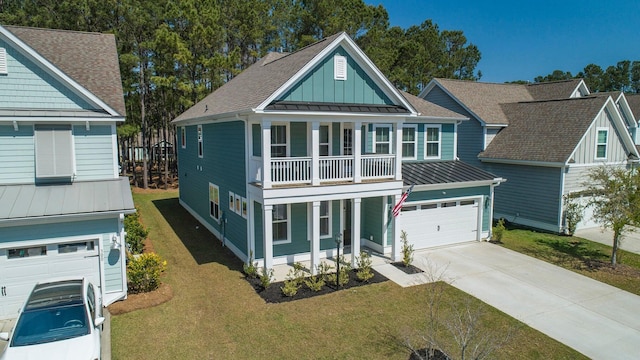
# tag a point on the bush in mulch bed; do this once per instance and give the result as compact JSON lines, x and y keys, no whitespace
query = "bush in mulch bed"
{"x":273,"y":293}
{"x":407,"y":269}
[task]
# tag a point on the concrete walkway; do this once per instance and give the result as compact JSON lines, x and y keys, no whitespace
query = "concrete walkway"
{"x":630,"y":241}
{"x":598,"y":320}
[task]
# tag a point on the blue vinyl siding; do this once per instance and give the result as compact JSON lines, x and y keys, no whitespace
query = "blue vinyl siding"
{"x":336,"y":139}
{"x":299,"y":234}
{"x":372,"y":213}
{"x":27,"y":86}
{"x":319,"y":85}
{"x":457,"y":193}
{"x":530,"y":193}
{"x":257,"y":228}
{"x":17,"y":155}
{"x":113,"y":279}
{"x":223,"y":165}
{"x":298,"y":132}
{"x":94,"y":152}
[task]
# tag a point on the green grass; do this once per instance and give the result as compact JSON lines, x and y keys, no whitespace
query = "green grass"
{"x":215,"y":314}
{"x":585,"y":257}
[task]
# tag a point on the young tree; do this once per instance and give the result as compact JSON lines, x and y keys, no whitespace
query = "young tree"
{"x":615,"y":201}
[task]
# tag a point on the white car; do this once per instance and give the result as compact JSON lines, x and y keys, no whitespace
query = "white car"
{"x":60,"y":320}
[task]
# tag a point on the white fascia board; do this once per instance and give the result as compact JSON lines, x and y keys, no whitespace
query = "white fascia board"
{"x":582,"y":85}
{"x":621,"y":126}
{"x":66,"y":119}
{"x":458,"y":185}
{"x":436,"y":83}
{"x":438,"y":119}
{"x":496,"y":126}
{"x":46,"y":65}
{"x":210,"y":118}
{"x":53,"y":219}
{"x":325,"y":114}
{"x":335,"y":192}
{"x":357,"y":54}
{"x":624,"y":105}
{"x":522,"y":162}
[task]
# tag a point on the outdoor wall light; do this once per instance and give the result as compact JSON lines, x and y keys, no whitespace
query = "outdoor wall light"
{"x":115,"y":243}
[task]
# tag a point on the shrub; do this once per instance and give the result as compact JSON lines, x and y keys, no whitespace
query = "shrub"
{"x":315,"y":282}
{"x":250,"y":269}
{"x":266,"y":277}
{"x":136,"y":233}
{"x":498,"y":231}
{"x":294,"y":280}
{"x":364,"y":272}
{"x":343,"y":277}
{"x":143,"y":272}
{"x":290,"y":288}
{"x":573,"y":213}
{"x":407,"y":250}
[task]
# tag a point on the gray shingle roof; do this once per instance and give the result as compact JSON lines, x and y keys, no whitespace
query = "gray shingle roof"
{"x":634,"y":103}
{"x":427,"y":108}
{"x":255,"y":84}
{"x":553,"y":90}
{"x":26,"y":201}
{"x":91,"y":59}
{"x":545,"y":131}
{"x":442,"y":172}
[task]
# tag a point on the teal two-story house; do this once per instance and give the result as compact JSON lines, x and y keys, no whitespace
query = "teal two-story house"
{"x":305,"y":148}
{"x":62,"y":203}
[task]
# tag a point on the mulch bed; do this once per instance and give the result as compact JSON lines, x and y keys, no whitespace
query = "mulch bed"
{"x":407,"y":269}
{"x":142,"y":301}
{"x":273,"y":293}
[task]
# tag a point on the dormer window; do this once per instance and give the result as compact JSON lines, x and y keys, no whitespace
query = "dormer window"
{"x":3,"y":61}
{"x":601,"y":143}
{"x":339,"y":67}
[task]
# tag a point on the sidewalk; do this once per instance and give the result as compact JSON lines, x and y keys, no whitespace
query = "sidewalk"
{"x":630,"y":241}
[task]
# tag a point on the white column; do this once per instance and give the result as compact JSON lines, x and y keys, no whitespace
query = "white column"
{"x":355,"y":230}
{"x":357,"y":152}
{"x":315,"y":153}
{"x":395,"y":241}
{"x":266,"y":154}
{"x":315,"y":236}
{"x":398,"y":152}
{"x":267,"y":213}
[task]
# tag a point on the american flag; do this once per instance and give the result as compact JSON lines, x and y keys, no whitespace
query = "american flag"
{"x":403,"y":198}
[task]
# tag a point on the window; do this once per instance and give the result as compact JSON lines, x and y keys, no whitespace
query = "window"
{"x":244,"y":208}
{"x":183,"y":137}
{"x":256,"y":137}
{"x":91,"y":301}
{"x":428,"y":206}
{"x":75,"y":247}
{"x":347,"y":142}
{"x":432,"y":142}
{"x":467,"y":202}
{"x":200,"y":147}
{"x":54,"y":151}
{"x":324,"y":140}
{"x":214,"y":201}
{"x":601,"y":143}
{"x":27,"y":252}
{"x":409,"y":208}
{"x":339,"y":67}
{"x":382,"y":140}
{"x":278,"y":141}
{"x":325,"y":218}
{"x":448,"y":204}
{"x":280,"y":223}
{"x":232,"y":201}
{"x":409,"y":142}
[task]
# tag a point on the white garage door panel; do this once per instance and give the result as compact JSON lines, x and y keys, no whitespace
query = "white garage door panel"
{"x":440,"y":226}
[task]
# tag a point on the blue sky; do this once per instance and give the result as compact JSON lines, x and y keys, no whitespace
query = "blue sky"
{"x":520,"y":40}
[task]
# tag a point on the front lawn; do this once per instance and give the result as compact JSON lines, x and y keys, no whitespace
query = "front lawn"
{"x":585,"y":257}
{"x":216,"y":314}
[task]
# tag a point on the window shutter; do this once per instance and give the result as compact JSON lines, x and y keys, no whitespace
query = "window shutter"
{"x":54,"y":152}
{"x":340,"y":67}
{"x":3,"y":61}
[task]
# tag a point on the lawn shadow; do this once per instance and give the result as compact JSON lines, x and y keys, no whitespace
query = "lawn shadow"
{"x":202,"y":244}
{"x":574,"y":248}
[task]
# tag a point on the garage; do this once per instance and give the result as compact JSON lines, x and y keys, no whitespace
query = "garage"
{"x":448,"y":222}
{"x":22,"y":266}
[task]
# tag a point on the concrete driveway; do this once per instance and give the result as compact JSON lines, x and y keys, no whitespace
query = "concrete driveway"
{"x":598,"y":320}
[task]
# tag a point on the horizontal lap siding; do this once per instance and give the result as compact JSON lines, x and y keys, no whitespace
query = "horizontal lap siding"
{"x":17,"y":155}
{"x":576,"y":178}
{"x":58,"y":230}
{"x":113,"y":279}
{"x":94,"y":152}
{"x":533,"y":192}
{"x":372,"y":212}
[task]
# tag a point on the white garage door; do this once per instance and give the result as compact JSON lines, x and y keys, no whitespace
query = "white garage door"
{"x":438,"y":224}
{"x":22,"y":267}
{"x":587,"y":221}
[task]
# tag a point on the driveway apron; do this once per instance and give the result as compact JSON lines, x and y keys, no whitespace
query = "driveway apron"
{"x":598,"y":320}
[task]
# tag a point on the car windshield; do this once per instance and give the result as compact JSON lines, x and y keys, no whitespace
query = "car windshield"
{"x":45,"y":325}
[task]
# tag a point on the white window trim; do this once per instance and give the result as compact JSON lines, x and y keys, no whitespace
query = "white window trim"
{"x":288,"y":240}
{"x":339,"y":67}
{"x":200,"y":142}
{"x":415,"y":141}
{"x":244,"y":207}
{"x":606,"y":145}
{"x":210,"y":201}
{"x":287,"y":139}
{"x":439,"y":127}
{"x":232,"y":201}
{"x":183,"y":137}
{"x":375,"y":143}
{"x":329,"y":207}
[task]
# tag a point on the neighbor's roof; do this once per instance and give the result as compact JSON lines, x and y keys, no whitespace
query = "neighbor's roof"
{"x":255,"y":84}
{"x":561,"y":89}
{"x":634,"y":103}
{"x":544,"y":131}
{"x":26,"y":201}
{"x":91,"y":59}
{"x":427,"y":108}
{"x":442,"y":172}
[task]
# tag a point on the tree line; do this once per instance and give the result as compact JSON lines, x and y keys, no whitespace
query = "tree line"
{"x":174,"y":53}
{"x":624,"y":76}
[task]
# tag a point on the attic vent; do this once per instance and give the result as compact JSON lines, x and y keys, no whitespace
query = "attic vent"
{"x":3,"y":61}
{"x":339,"y":67}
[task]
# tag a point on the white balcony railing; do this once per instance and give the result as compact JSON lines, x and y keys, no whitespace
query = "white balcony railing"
{"x":297,"y":170}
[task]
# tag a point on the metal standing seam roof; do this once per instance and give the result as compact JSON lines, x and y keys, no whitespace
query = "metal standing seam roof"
{"x":89,"y":58}
{"x":442,"y":172}
{"x":25,"y":201}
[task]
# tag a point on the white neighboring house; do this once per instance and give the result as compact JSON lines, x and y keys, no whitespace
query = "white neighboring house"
{"x":62,"y":203}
